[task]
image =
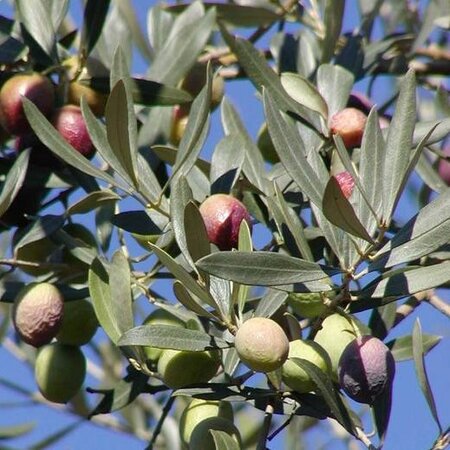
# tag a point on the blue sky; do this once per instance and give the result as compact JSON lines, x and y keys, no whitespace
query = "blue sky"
{"x":411,"y":426}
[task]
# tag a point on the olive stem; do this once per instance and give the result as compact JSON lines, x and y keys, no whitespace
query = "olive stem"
{"x":268,"y":415}
{"x":159,"y":425}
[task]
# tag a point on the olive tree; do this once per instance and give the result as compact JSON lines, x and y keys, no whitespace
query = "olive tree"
{"x":145,"y":197}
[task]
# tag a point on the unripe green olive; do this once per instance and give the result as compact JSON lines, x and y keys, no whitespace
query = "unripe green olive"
{"x":38,"y":313}
{"x":308,"y":304}
{"x":59,"y":371}
{"x":183,"y":368}
{"x":293,"y":375}
{"x":160,"y":317}
{"x":202,"y":439}
{"x":197,"y":411}
{"x":261,"y":344}
{"x":79,"y":323}
{"x":336,"y":333}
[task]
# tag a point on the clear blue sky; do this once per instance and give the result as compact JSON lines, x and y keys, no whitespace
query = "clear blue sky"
{"x":411,"y":424}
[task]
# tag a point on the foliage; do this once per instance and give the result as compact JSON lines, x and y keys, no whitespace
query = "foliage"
{"x":141,"y":193}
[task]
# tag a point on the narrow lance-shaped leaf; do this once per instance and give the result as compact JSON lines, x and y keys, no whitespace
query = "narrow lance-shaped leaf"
{"x":245,"y":244}
{"x":408,"y":281}
{"x":420,"y":236}
{"x":95,"y":13}
{"x":262,"y":268}
{"x":102,"y":301}
{"x":422,"y":376}
{"x":339,"y":211}
{"x":198,"y":242}
{"x":290,"y":149}
{"x":14,"y":180}
{"x":48,"y":135}
{"x":92,"y":201}
{"x":224,"y":441}
{"x":263,"y":76}
{"x":186,"y":299}
{"x":327,"y":390}
{"x":183,"y":276}
{"x":182,"y":49}
{"x":398,"y":144}
{"x":167,"y":336}
{"x":253,"y":165}
{"x":97,"y":132}
{"x":121,"y":129}
{"x":402,"y":347}
{"x":333,"y":17}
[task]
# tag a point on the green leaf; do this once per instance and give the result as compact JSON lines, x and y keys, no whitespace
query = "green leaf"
{"x":245,"y":244}
{"x":137,"y":222}
{"x":181,"y":195}
{"x":92,"y":201}
{"x":102,"y":301}
{"x":262,"y":268}
{"x":169,"y":156}
{"x":328,"y":392}
{"x":42,"y":227}
{"x":183,"y":276}
{"x":14,"y":180}
{"x":262,"y":75}
{"x":226,"y":163}
{"x":182,"y":48}
{"x":38,"y":22}
{"x":121,"y":129}
{"x":290,"y":149}
{"x":149,"y":185}
{"x":196,"y":130}
{"x":441,"y":129}
{"x":124,"y":392}
{"x":198,"y":242}
{"x":186,"y":299}
{"x":402,"y":347}
{"x":223,"y":441}
{"x":48,"y":135}
{"x":332,"y":24}
{"x":270,"y":303}
{"x":339,"y":211}
{"x":12,"y":431}
{"x":334,"y":84}
{"x":398,"y":144}
{"x":289,"y":219}
{"x":371,"y":168}
{"x":304,"y":92}
{"x":234,"y":14}
{"x":166,"y":336}
{"x":381,"y":410}
{"x":97,"y":132}
{"x":421,"y":235}
{"x":253,"y":165}
{"x":95,"y":13}
{"x":408,"y":281}
{"x":120,"y":291}
{"x":422,"y":376}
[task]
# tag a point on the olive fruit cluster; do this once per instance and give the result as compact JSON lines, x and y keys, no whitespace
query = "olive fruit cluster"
{"x":40,"y":314}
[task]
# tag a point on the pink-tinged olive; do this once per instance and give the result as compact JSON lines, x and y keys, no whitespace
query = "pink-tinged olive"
{"x":444,"y":167}
{"x":346,"y":183}
{"x":38,"y":313}
{"x":349,"y":124}
{"x":223,"y":214}
{"x":261,"y":344}
{"x":366,"y":369}
{"x":37,"y":88}
{"x":60,"y":371}
{"x":69,"y":121}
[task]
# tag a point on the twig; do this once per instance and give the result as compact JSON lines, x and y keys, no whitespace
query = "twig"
{"x":437,"y":302}
{"x":159,"y":425}
{"x":265,"y":428}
